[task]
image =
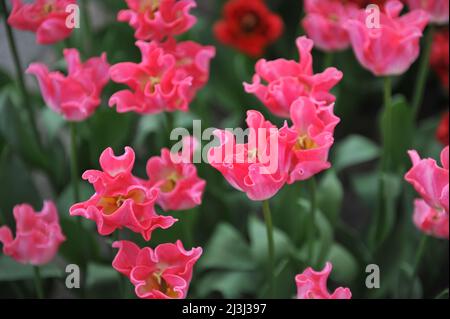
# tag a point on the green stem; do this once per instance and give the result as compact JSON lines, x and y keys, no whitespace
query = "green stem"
{"x":312,"y":223}
{"x":38,"y":282}
{"x":417,"y":259}
{"x":327,"y":60}
{"x":271,"y":246}
{"x":387,"y":134}
{"x":74,"y":161}
{"x":86,"y":26}
{"x":422,"y":76}
{"x":385,"y":160}
{"x":169,"y":126}
{"x":13,"y":47}
{"x":122,"y":292}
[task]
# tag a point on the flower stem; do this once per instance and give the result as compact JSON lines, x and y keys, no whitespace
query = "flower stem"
{"x":38,"y":282}
{"x":422,"y":76}
{"x":122,"y":292}
{"x":327,"y":60}
{"x":87,"y":27}
{"x":385,"y":162}
{"x":74,"y":161}
{"x":312,"y":223}
{"x":417,"y":259}
{"x":13,"y":47}
{"x":271,"y":246}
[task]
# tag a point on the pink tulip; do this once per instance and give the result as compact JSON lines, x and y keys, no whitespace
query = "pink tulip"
{"x":260,"y":168}
{"x":157,"y":19}
{"x":193,"y":59}
{"x":46,"y":18}
{"x":179,"y":186}
{"x":38,"y":235}
{"x":391,"y":48}
{"x":438,"y":10}
{"x":315,"y":128}
{"x":161,"y":273}
{"x":324,"y":23}
{"x":313,"y":285}
{"x":120,"y":199}
{"x":432,"y":184}
{"x":77,"y":95}
{"x":287,"y":80}
{"x":156,"y":84}
{"x":429,"y":220}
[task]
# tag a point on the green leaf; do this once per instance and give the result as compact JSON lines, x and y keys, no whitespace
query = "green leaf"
{"x":258,"y":238}
{"x":98,"y":274}
{"x":391,"y":187}
{"x":229,"y":284}
{"x":365,"y":185}
{"x":103,"y":281}
{"x":52,"y":122}
{"x":148,"y":124}
{"x":397,"y":130}
{"x":345,"y":265}
{"x":13,"y":271}
{"x":18,"y":134}
{"x":227,"y":250}
{"x":16,"y":186}
{"x":110,"y":129}
{"x":330,"y":196}
{"x":324,"y":234}
{"x":354,"y":150}
{"x":82,"y":244}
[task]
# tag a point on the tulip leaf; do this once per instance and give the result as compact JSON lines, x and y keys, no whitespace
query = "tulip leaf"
{"x":391,"y":187}
{"x":354,"y":150}
{"x":330,"y":196}
{"x":345,"y":265}
{"x":53,"y":122}
{"x":258,"y":238}
{"x":397,"y":132}
{"x":11,"y":270}
{"x":230,"y":284}
{"x":227,"y":250}
{"x":13,"y":176}
{"x":17,"y":132}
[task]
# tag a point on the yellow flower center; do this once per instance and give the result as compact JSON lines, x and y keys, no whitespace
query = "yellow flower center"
{"x":153,"y":80}
{"x":48,"y":8}
{"x":304,"y":142}
{"x":111,"y":204}
{"x":171,"y":183}
{"x":150,"y":6}
{"x":253,"y":154}
{"x":157,"y":282}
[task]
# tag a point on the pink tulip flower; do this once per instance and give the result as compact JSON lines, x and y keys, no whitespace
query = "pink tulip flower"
{"x":156,"y":84}
{"x":193,"y":59}
{"x":438,"y":10}
{"x":161,"y":273}
{"x":432,"y":183}
{"x":313,"y":285}
{"x":315,"y":128}
{"x":46,"y":18}
{"x":120,"y":199}
{"x":324,"y":23}
{"x":260,"y":168}
{"x":157,"y":19}
{"x":287,"y":80}
{"x":393,"y":46}
{"x":179,"y":186}
{"x":38,"y":235}
{"x":77,"y":95}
